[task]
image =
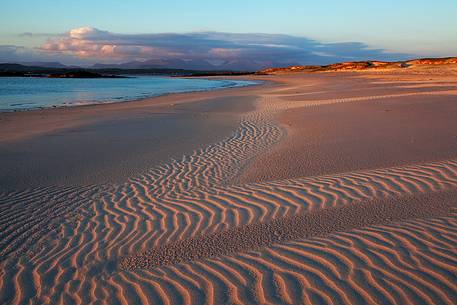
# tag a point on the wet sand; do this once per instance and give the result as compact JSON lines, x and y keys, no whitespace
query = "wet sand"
{"x":117,"y":147}
{"x":326,"y":188}
{"x":26,"y":124}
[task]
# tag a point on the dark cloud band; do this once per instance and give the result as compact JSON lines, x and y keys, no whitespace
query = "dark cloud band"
{"x":224,"y":50}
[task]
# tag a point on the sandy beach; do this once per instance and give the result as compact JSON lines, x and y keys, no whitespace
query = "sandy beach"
{"x":312,"y":188}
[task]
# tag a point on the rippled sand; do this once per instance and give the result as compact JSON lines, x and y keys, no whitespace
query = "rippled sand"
{"x":249,"y":219}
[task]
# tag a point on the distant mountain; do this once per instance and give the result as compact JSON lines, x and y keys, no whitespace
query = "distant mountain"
{"x":201,"y":65}
{"x":19,"y":67}
{"x":172,"y":64}
{"x":161,"y":64}
{"x":250,"y":65}
{"x":45,"y":64}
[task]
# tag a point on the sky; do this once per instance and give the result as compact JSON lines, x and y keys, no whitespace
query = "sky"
{"x":254,"y":32}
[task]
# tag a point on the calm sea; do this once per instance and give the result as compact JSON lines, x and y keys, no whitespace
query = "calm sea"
{"x":18,"y":93}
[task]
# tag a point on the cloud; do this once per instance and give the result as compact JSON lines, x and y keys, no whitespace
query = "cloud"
{"x":240,"y":51}
{"x":32,"y":35}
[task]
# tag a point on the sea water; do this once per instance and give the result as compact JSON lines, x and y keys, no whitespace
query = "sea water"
{"x":20,"y":93}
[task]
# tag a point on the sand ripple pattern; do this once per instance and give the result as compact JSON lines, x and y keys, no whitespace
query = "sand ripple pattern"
{"x":416,"y":257}
{"x":24,"y":219}
{"x":217,"y":164}
{"x":77,"y":237}
{"x":284,"y":105}
{"x":412,"y":262}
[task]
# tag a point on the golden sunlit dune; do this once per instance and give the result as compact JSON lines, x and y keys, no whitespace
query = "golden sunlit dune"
{"x":367,"y":65}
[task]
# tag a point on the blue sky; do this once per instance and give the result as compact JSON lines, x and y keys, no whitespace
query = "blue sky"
{"x":423,"y":28}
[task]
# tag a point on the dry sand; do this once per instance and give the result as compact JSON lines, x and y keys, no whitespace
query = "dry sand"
{"x":361,"y":125}
{"x":330,"y":188}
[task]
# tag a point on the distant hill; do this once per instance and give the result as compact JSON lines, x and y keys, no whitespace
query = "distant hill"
{"x":45,"y":64}
{"x":364,"y":66}
{"x":160,"y":64}
{"x":196,"y":65}
{"x":7,"y":67}
{"x":236,"y":65}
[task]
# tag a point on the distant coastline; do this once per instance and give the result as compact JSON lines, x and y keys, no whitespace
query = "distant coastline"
{"x":19,"y":70}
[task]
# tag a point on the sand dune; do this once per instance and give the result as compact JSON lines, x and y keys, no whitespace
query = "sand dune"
{"x":189,"y":232}
{"x":414,"y":65}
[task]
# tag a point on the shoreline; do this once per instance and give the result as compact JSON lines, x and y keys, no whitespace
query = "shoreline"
{"x":134,"y":99}
{"x":30,"y":123}
{"x":110,"y":143}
